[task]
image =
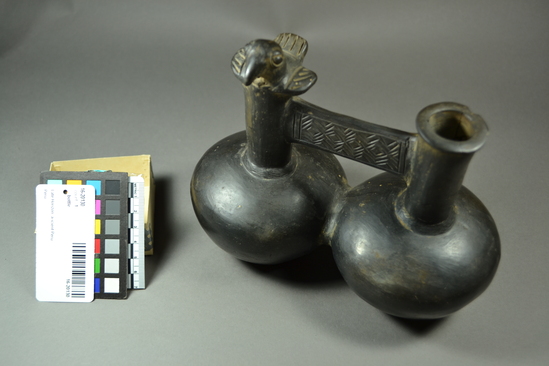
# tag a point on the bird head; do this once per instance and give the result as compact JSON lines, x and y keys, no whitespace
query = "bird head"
{"x":275,"y":65}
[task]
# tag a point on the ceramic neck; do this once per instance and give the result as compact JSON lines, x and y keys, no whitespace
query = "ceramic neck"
{"x":449,"y":135}
{"x":266,"y":143}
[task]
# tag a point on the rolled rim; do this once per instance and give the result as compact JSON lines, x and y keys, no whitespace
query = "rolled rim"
{"x":452,"y":127}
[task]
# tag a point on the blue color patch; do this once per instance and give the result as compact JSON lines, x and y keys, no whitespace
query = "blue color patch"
{"x":97,"y":285}
{"x":96,"y":184}
{"x":55,"y":181}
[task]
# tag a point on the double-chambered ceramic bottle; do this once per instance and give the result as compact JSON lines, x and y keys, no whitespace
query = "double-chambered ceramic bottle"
{"x":412,"y":241}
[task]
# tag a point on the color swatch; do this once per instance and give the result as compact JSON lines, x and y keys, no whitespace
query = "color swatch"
{"x":111,"y":272}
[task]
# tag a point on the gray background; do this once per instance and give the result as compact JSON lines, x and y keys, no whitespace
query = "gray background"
{"x":83,"y":79}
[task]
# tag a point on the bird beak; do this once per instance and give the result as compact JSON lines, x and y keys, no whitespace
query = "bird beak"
{"x":249,"y":62}
{"x":253,"y":67}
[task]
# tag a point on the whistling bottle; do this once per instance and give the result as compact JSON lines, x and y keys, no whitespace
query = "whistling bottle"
{"x":411,"y":241}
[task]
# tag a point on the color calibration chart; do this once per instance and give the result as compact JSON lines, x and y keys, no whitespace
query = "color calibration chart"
{"x":118,"y":246}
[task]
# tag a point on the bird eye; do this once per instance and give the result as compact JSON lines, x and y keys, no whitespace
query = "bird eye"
{"x":277,"y":59}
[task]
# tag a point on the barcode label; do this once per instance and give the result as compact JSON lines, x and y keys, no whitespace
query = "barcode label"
{"x":78,"y":281}
{"x":65,"y":217}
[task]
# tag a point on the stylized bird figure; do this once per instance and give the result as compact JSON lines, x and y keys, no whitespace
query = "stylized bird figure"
{"x":275,"y":64}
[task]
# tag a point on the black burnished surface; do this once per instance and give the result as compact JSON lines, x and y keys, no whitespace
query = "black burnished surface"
{"x":413,"y":274}
{"x":413,"y":242}
{"x":260,"y":219}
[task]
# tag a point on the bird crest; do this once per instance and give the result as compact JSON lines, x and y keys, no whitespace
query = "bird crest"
{"x":275,"y":64}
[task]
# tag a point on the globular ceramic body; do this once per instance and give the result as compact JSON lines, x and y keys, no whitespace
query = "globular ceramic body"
{"x":259,"y":216}
{"x":407,"y":268}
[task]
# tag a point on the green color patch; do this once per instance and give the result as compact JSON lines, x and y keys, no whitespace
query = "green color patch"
{"x":97,"y":265}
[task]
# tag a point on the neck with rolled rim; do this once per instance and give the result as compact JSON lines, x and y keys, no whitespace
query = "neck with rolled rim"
{"x":449,"y":135}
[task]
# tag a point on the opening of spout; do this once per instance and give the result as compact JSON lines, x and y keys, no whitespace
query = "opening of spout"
{"x":452,"y":128}
{"x":452,"y":125}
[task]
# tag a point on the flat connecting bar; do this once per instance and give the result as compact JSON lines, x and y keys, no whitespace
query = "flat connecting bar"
{"x":380,"y":147}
